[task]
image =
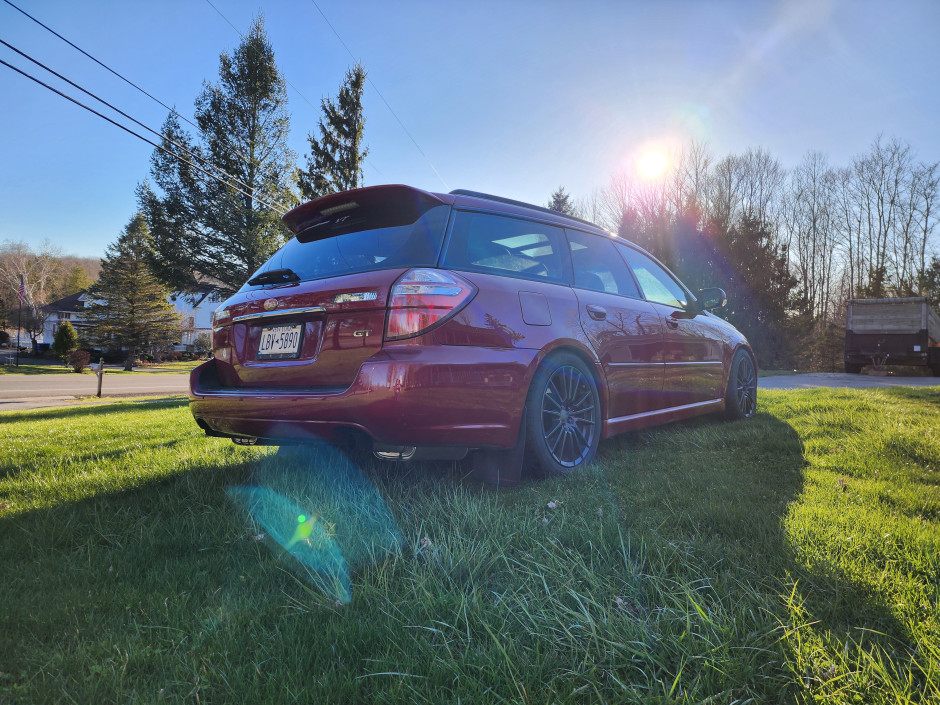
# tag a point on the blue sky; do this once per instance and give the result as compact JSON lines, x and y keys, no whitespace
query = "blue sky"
{"x":514,"y":97}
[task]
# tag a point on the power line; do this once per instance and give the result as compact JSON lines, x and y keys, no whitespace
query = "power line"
{"x":379,"y":93}
{"x":101,"y":64}
{"x":277,"y":209}
{"x":193,"y":155}
{"x":229,"y":147}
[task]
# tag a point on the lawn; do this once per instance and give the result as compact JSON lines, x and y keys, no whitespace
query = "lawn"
{"x":48,"y":369}
{"x":791,"y":558}
{"x":29,"y":369}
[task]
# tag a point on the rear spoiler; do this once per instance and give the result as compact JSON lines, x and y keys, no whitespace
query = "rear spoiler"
{"x":389,"y":205}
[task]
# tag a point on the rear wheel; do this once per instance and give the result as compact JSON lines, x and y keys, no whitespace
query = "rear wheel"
{"x":563,"y":415}
{"x":741,"y":397}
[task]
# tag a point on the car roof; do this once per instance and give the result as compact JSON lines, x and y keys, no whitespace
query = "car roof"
{"x":476,"y":199}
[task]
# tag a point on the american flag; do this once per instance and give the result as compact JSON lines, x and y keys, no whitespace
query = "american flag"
{"x":22,"y":290}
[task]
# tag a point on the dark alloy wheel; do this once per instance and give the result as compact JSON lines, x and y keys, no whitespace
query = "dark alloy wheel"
{"x":564,"y":415}
{"x":741,"y":397}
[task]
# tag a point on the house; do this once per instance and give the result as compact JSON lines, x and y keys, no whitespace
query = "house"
{"x":195,"y":310}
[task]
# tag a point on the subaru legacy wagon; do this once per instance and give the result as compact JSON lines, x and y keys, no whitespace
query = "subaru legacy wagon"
{"x":428,"y":325}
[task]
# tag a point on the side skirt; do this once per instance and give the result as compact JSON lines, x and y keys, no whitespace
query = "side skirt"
{"x":654,"y":418}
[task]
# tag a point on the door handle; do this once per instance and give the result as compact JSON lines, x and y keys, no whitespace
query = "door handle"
{"x":598,"y":313}
{"x":672,"y":323}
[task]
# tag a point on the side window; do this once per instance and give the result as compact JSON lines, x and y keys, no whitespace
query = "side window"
{"x":597,"y":266}
{"x":657,"y":285}
{"x":502,"y":245}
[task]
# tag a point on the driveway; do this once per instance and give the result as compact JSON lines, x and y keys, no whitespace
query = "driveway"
{"x":843,"y":381}
{"x":18,"y":392}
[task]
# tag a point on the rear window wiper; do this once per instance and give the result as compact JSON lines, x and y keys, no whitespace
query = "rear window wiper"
{"x":275,"y":276}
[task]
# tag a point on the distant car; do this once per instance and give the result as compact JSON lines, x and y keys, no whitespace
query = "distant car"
{"x":432,"y":325}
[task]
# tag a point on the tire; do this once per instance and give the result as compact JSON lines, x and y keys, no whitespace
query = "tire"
{"x":563,"y":416}
{"x":741,"y":397}
{"x":853,"y":368}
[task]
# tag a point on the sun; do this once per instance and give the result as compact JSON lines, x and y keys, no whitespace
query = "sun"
{"x":651,"y":164}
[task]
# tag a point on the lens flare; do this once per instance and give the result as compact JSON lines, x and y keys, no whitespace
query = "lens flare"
{"x":325,"y":518}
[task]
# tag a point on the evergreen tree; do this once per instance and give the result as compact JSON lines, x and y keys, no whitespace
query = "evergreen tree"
{"x":129,"y":307}
{"x":561,"y":202}
{"x":65,"y":341}
{"x":76,"y":279}
{"x":203,"y":228}
{"x":335,"y":159}
{"x":930,"y":282}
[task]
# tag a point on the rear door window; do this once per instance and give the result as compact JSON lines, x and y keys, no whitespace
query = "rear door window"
{"x":364,"y":248}
{"x":598,"y":267}
{"x":495,"y":244}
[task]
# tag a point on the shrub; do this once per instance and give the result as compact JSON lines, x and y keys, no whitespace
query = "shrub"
{"x":202,"y":344}
{"x":65,"y":341}
{"x":79,"y":359}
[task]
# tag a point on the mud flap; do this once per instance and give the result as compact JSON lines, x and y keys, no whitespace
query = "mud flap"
{"x":501,"y":468}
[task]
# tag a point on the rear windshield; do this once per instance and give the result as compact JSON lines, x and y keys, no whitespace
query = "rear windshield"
{"x":417,"y":244}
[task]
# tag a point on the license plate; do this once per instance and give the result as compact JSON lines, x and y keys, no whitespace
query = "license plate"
{"x":280,"y":342}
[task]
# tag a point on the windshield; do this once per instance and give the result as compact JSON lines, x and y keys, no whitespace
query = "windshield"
{"x":417,"y":244}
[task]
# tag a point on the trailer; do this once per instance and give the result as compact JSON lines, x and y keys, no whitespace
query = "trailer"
{"x":892,"y":332}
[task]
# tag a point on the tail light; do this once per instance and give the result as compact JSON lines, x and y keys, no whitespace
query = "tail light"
{"x":423,"y":299}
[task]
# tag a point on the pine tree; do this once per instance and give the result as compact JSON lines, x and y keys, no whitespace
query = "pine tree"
{"x":76,"y":279}
{"x":335,"y":159}
{"x":129,"y":307}
{"x":203,"y":228}
{"x":561,"y":202}
{"x":65,"y":341}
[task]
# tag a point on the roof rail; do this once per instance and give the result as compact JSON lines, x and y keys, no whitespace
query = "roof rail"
{"x":522,"y":204}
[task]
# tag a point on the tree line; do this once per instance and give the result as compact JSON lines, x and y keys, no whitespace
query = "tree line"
{"x":789,"y":246}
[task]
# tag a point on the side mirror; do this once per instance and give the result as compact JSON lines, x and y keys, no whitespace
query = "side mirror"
{"x":711,"y":298}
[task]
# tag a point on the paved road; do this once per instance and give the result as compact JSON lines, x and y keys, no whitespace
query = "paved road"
{"x":842,"y":380}
{"x":18,"y":392}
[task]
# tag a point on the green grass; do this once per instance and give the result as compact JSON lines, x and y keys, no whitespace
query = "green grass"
{"x":179,"y":366}
{"x":26,"y":369}
{"x":791,"y":558}
{"x":52,"y":369}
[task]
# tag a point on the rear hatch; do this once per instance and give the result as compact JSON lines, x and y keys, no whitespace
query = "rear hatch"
{"x":312,"y":314}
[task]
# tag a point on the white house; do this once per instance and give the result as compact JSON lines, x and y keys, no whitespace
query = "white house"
{"x":195,"y":312}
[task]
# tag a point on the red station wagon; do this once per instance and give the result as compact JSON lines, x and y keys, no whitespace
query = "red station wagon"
{"x":429,"y":325}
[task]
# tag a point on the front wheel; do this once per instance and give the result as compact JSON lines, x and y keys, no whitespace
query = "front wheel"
{"x":741,"y":397}
{"x":563,"y":415}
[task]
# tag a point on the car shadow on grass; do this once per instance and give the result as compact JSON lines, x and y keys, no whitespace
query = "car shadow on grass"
{"x":706,"y":505}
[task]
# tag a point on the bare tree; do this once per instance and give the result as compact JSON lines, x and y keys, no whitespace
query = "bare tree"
{"x":809,"y":218}
{"x":39,"y":272}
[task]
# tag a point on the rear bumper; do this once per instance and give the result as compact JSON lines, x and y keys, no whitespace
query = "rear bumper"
{"x":407,"y":395}
{"x":888,"y":358}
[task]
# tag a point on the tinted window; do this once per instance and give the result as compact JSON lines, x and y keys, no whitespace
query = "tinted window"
{"x":597,"y":266}
{"x":500,"y":245}
{"x":415,"y":245}
{"x":657,"y":285}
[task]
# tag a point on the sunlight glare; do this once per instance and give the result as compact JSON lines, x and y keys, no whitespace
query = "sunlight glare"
{"x":651,"y":164}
